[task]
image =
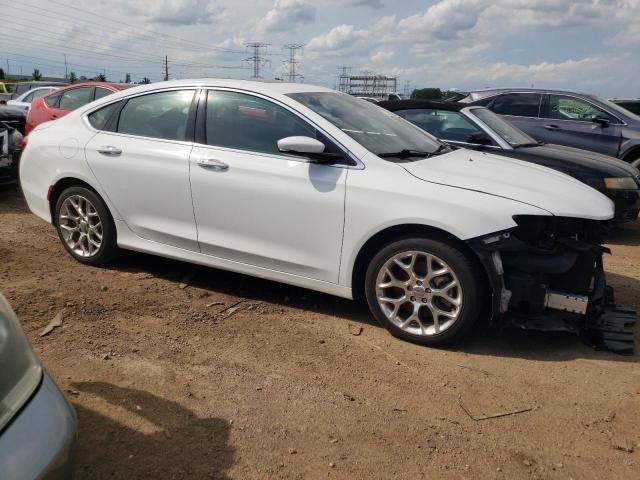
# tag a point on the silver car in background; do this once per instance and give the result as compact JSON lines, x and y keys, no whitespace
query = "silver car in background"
{"x":37,"y":424}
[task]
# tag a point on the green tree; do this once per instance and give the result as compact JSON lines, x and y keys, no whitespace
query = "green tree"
{"x":73,"y":77}
{"x":101,"y":77}
{"x":1,"y":74}
{"x":127,"y":78}
{"x":83,"y":78}
{"x":36,"y":74}
{"x":426,"y":94}
{"x":145,"y":81}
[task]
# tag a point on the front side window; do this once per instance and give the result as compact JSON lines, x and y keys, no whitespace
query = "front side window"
{"x":518,"y":104}
{"x":245,"y":122}
{"x":158,"y":115}
{"x":375,"y":128}
{"x":75,"y":98}
{"x":447,"y":125}
{"x":563,"y":107}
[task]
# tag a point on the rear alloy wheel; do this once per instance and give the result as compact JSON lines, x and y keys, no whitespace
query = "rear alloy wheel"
{"x":424,"y":291}
{"x":85,"y":226}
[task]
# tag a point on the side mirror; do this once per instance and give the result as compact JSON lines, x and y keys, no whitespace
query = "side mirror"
{"x":600,"y":119}
{"x":307,"y":147}
{"x":480,"y":138}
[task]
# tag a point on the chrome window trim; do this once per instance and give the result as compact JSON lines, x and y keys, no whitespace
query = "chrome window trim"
{"x":502,"y":143}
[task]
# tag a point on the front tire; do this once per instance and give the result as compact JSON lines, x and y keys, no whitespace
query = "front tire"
{"x":85,"y":226}
{"x":424,"y":291}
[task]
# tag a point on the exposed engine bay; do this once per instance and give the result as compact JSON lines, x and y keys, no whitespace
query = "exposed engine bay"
{"x":547,"y":274}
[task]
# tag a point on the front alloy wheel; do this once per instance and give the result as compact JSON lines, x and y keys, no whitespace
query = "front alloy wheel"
{"x":425,"y":290}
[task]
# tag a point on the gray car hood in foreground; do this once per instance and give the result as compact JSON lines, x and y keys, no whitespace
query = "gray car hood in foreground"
{"x":521,"y":181}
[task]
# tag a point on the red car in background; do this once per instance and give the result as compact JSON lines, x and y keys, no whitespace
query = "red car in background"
{"x":61,"y":102}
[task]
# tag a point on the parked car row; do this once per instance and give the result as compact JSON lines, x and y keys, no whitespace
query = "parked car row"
{"x":478,"y":128}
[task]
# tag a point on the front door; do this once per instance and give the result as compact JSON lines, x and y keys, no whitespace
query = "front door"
{"x":143,"y":165}
{"x":257,"y":206}
{"x":568,"y":121}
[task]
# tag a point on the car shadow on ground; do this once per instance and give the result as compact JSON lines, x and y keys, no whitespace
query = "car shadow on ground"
{"x":12,"y":201}
{"x":626,"y":234}
{"x":150,"y":436}
{"x":483,"y":340}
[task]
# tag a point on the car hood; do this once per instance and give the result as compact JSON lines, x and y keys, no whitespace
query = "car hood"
{"x":596,"y":162}
{"x":517,"y":180}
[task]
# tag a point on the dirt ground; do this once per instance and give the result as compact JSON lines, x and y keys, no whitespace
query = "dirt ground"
{"x":177,"y":383}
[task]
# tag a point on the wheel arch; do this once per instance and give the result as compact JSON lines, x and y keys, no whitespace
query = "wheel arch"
{"x":398,"y":232}
{"x":60,"y":186}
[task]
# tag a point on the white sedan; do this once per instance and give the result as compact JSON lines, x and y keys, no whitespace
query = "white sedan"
{"x":24,"y":101}
{"x":315,"y":188}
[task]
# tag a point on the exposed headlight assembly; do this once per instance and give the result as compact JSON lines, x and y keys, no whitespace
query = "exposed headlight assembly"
{"x":620,"y":183}
{"x":20,"y":369}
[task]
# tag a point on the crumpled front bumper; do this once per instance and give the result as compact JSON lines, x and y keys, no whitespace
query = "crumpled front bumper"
{"x":558,"y":286}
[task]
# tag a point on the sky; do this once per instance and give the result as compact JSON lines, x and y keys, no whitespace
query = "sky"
{"x":582,"y":45}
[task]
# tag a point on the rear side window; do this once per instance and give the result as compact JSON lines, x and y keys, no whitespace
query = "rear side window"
{"x":158,"y":115}
{"x":102,"y":92}
{"x":52,"y":100}
{"x":518,"y":104}
{"x":75,"y":98}
{"x":99,"y":118}
{"x":245,"y":122}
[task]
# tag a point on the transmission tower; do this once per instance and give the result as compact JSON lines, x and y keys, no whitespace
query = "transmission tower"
{"x":293,"y":63}
{"x":343,"y":79}
{"x":257,"y":59}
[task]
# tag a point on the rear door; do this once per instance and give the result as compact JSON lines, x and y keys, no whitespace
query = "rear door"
{"x":140,"y":156}
{"x":568,"y":121}
{"x":523,"y":110}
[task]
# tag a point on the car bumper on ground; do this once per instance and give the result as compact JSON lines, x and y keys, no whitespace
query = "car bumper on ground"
{"x":40,"y":441}
{"x":627,"y":204}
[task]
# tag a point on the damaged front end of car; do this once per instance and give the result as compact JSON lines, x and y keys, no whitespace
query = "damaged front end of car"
{"x":547,"y":274}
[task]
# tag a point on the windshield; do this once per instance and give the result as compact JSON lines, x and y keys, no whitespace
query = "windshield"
{"x":618,"y":109}
{"x":510,"y":134}
{"x":376,"y":129}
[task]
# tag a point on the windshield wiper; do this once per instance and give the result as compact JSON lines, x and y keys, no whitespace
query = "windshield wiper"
{"x":405,"y":154}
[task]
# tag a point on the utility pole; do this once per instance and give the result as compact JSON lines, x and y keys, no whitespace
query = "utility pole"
{"x":293,"y":63}
{"x":65,"y":66}
{"x":8,"y":69}
{"x":166,"y":68}
{"x":257,"y":59}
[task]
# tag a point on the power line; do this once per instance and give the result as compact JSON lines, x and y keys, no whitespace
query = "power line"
{"x":258,"y":60}
{"x":293,"y":63}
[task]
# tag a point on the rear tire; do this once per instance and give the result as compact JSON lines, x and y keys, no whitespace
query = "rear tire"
{"x":425,"y":291}
{"x":85,"y":226}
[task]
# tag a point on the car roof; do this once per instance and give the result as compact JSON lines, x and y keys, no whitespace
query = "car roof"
{"x":488,"y":91}
{"x":422,"y":104}
{"x":110,"y":85}
{"x":42,"y":83}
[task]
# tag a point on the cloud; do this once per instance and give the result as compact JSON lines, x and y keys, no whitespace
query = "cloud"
{"x":444,"y":20}
{"x":177,"y":12}
{"x":287,"y":15}
{"x":377,"y":4}
{"x":381,"y":56}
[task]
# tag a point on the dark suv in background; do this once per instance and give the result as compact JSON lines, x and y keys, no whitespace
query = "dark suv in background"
{"x":567,"y":118}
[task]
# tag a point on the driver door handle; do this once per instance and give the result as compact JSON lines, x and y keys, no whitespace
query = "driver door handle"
{"x":109,"y":151}
{"x":553,"y":128}
{"x":213,"y":164}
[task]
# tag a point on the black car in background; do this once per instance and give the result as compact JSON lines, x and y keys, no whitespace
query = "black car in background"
{"x":631,"y":104}
{"x":476,"y":127}
{"x":567,"y":118}
{"x":12,"y":122}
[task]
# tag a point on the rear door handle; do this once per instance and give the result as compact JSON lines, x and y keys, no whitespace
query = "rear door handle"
{"x":552,"y":127}
{"x":213,"y":164}
{"x":110,"y":151}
